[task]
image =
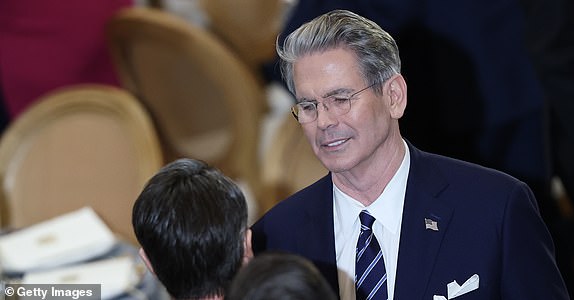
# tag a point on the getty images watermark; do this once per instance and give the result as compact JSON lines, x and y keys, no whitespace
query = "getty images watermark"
{"x":50,"y":291}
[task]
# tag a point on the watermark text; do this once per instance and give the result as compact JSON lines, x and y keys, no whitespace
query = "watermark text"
{"x":51,"y":291}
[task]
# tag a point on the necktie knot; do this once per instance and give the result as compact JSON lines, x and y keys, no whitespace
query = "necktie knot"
{"x":366,"y":220}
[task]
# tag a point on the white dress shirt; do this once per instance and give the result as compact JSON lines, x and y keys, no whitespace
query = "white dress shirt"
{"x":388,"y":212}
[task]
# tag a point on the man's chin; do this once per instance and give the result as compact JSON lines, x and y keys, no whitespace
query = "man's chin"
{"x":335,"y":166}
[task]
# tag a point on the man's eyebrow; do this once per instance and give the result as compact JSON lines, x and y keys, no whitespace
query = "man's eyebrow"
{"x":303,"y":99}
{"x":327,"y":95}
{"x":337,"y":92}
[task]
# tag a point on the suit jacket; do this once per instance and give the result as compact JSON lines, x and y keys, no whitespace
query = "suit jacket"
{"x":488,"y":224}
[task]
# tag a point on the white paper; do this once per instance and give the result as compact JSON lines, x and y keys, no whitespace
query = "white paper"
{"x":69,"y":238}
{"x":116,"y":275}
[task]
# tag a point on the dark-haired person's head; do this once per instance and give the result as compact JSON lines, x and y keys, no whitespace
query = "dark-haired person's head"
{"x":279,"y":276}
{"x":191,"y":222}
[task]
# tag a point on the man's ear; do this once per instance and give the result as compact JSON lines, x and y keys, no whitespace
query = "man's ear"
{"x":146,"y":260}
{"x":247,"y":249}
{"x":396,"y":89}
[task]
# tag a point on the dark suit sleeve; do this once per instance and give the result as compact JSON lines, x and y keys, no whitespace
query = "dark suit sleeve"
{"x":529,"y":270}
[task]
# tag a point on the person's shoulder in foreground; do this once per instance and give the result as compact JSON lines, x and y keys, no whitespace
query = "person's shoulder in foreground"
{"x":191,"y":222}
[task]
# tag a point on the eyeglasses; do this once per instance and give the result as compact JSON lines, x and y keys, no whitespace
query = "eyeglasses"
{"x":307,"y":111}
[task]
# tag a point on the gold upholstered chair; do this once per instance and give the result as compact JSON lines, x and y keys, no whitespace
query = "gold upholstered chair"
{"x":206,"y":103}
{"x":85,"y":145}
{"x":289,"y":163}
{"x":249,"y":27}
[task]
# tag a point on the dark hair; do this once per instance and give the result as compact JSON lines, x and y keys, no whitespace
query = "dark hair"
{"x":376,"y":51}
{"x":190,"y":220}
{"x":279,"y":276}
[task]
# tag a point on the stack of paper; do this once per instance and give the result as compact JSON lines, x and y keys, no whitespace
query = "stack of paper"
{"x":116,"y":275}
{"x":70,"y":238}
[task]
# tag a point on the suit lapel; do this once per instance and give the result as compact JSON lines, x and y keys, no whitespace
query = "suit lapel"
{"x":419,"y":245}
{"x":317,"y":241}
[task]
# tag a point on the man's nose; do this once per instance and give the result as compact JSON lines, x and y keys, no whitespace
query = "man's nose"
{"x":325,"y":118}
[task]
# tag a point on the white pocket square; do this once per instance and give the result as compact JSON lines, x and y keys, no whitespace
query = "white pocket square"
{"x":454,"y":289}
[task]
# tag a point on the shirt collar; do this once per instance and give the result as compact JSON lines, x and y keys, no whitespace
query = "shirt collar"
{"x":387,"y":208}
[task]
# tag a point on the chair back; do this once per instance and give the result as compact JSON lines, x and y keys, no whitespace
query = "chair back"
{"x":249,"y":27}
{"x":85,"y":145}
{"x":289,"y":163}
{"x":206,"y":103}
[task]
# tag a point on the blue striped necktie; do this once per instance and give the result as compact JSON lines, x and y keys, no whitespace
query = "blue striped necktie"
{"x":370,"y":274}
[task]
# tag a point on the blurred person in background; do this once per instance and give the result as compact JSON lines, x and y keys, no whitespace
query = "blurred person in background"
{"x":45,"y":45}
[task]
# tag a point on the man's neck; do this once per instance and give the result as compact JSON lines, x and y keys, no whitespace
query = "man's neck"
{"x":366,"y":184}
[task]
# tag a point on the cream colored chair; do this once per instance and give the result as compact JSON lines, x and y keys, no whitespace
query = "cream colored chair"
{"x":289,"y":163}
{"x":86,"y":145}
{"x":249,"y":27}
{"x":206,"y":103}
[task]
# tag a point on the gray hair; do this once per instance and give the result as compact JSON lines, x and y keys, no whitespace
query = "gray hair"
{"x":375,"y":49}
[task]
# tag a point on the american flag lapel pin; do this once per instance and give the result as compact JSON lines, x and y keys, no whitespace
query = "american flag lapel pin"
{"x":431,"y":224}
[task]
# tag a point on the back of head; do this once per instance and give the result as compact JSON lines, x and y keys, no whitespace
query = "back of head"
{"x":190,"y":220}
{"x":376,"y":50}
{"x":279,"y":276}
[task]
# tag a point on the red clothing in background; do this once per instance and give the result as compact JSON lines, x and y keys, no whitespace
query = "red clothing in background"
{"x":49,"y":44}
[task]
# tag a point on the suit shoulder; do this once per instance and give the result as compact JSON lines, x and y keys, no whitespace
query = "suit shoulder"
{"x":280,"y":227}
{"x":458,"y":170}
{"x":311,"y":196}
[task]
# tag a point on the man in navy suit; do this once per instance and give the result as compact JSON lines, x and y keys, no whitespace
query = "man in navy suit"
{"x":446,"y":228}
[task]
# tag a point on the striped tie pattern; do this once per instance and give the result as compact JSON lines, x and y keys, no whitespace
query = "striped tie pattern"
{"x":370,"y":274}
